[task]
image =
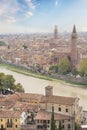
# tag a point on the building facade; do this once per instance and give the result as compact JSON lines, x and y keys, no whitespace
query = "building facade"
{"x":26,"y":111}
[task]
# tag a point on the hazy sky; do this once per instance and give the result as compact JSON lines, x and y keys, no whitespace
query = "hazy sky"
{"x":41,"y":15}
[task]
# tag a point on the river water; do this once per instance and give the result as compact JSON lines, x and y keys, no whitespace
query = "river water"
{"x":35,"y":85}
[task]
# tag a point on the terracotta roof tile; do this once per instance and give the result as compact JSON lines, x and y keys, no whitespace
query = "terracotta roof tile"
{"x":7,"y":104}
{"x":58,"y":100}
{"x":30,"y":96}
{"x":24,"y":106}
{"x":10,"y":114}
{"x":46,"y":115}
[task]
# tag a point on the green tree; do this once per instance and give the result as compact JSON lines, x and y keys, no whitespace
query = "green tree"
{"x":19,"y":88}
{"x":74,"y":71}
{"x":64,"y":66}
{"x":25,"y":46}
{"x":52,"y":120}
{"x":2,"y":75}
{"x":76,"y":126}
{"x":54,"y":68}
{"x":60,"y":126}
{"x":8,"y":82}
{"x":2,"y":43}
{"x":83,"y":68}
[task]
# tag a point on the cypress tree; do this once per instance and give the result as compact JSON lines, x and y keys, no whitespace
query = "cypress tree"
{"x":52,"y":120}
{"x":60,"y":125}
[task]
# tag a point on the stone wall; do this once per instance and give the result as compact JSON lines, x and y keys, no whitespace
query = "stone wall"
{"x":69,"y":78}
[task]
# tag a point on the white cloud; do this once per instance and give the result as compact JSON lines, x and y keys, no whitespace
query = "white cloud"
{"x":8,"y":9}
{"x":14,"y":9}
{"x":29,"y":14}
{"x":56,"y":2}
{"x":10,"y":20}
{"x":31,"y":4}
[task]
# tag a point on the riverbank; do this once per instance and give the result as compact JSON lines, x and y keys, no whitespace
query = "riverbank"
{"x":37,"y":85}
{"x":28,"y":72}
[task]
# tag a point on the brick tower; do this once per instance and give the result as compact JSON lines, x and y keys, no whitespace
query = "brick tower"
{"x":49,"y":91}
{"x":55,"y":32}
{"x":74,"y":47}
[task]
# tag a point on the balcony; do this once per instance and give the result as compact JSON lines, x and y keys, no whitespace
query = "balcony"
{"x":9,"y":125}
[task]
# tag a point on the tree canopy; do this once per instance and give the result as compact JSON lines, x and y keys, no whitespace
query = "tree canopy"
{"x":75,"y":71}
{"x":83,"y":68}
{"x":24,"y":46}
{"x":2,"y":43}
{"x":54,"y":68}
{"x":8,"y":82}
{"x":64,"y":65}
{"x":19,"y":88}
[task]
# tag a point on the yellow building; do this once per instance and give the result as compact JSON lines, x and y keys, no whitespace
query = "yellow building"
{"x":10,"y":120}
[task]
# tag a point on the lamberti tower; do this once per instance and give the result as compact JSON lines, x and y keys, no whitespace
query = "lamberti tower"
{"x":74,"y":38}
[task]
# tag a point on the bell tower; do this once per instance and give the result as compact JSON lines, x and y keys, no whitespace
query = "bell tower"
{"x":49,"y":91}
{"x":74,"y":38}
{"x":55,"y":32}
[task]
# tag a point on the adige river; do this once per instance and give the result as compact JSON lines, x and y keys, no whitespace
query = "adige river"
{"x":35,"y":85}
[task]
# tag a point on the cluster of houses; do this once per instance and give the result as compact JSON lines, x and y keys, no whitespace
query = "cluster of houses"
{"x":26,"y":111}
{"x":39,"y":52}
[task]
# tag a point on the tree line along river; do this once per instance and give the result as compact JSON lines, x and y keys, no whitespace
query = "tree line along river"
{"x":35,"y":85}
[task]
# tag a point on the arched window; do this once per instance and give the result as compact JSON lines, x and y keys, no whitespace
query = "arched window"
{"x":59,"y":109}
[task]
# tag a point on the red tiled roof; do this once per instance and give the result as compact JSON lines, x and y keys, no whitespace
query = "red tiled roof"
{"x":24,"y":106}
{"x":30,"y":96}
{"x":45,"y":115}
{"x":10,"y":114}
{"x":7,"y":104}
{"x":58,"y":100}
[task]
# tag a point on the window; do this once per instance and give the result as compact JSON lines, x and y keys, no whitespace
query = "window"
{"x":37,"y":121}
{"x":38,"y":126}
{"x":44,"y":121}
{"x":68,"y":125}
{"x":48,"y":121}
{"x":1,"y":126}
{"x":59,"y":109}
{"x":1,"y":119}
{"x":66,"y":109}
{"x":16,"y":126}
{"x":62,"y":121}
{"x":63,"y":126}
{"x":9,"y":123}
{"x":48,"y":126}
{"x":41,"y":121}
{"x":16,"y":120}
